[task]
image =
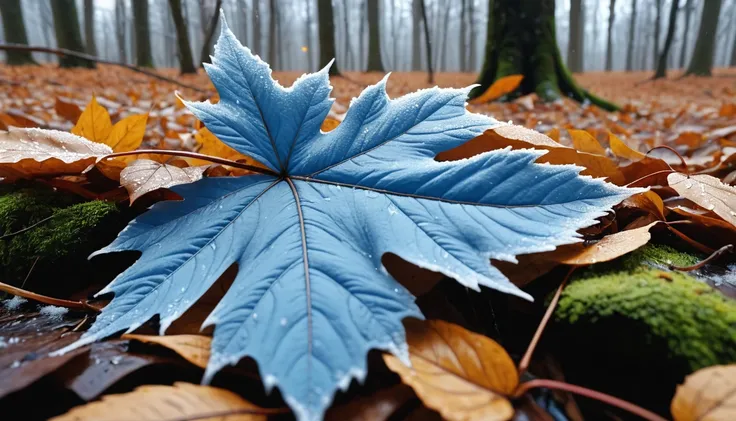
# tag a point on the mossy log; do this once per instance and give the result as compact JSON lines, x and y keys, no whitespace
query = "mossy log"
{"x":635,"y":329}
{"x":521,"y":39}
{"x":46,"y":236}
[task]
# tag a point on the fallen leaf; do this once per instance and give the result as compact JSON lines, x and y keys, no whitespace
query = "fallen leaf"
{"x":36,"y":152}
{"x":499,"y":88}
{"x":709,"y":394}
{"x":143,"y":175}
{"x":94,"y":123}
{"x":585,"y":142}
{"x":608,"y":248}
{"x":648,"y":201}
{"x":194,"y":348}
{"x":379,"y":406}
{"x":707,"y":192}
{"x":622,"y":150}
{"x":162,"y":403}
{"x":68,"y":110}
{"x":522,"y":138}
{"x":329,"y":124}
{"x":463,"y":375}
{"x":127,"y":134}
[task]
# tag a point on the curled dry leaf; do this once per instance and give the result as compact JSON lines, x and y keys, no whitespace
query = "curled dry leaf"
{"x":609,"y":248}
{"x":707,"y":395}
{"x":518,"y":137}
{"x":36,"y":152}
{"x":143,"y":176}
{"x":499,"y":88}
{"x":648,"y":201}
{"x":94,"y":123}
{"x":707,"y":192}
{"x":194,"y":348}
{"x":463,"y":375}
{"x":162,"y":403}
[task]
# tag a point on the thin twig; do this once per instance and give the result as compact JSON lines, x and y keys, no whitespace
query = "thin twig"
{"x":702,"y":247}
{"x":700,"y":264}
{"x":671,"y":149}
{"x":251,"y":411}
{"x":196,"y":155}
{"x":28,"y":275}
{"x":76,"y":305}
{"x":649,"y":175}
{"x":524,"y":364}
{"x":593,"y":394}
{"x":70,"y":53}
{"x":10,"y":234}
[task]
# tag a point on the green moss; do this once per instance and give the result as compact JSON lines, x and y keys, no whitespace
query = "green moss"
{"x":53,"y":233}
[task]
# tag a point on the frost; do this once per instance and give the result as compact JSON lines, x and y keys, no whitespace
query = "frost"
{"x":53,"y":312}
{"x":14,"y":303}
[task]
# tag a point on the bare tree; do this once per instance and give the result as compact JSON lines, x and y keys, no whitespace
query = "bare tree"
{"x":310,"y":60}
{"x":416,"y":35}
{"x":272,"y":33}
{"x":375,"y":64}
{"x":575,"y":45}
{"x":15,"y":32}
{"x":657,"y":29}
{"x":120,"y":26}
{"x":632,"y":33}
{"x":209,"y":33}
{"x":349,"y":56}
{"x":257,"y":45}
{"x":702,"y":59}
{"x":462,"y":37}
{"x":472,"y":60}
{"x":142,"y":34}
{"x":662,"y":63}
{"x":89,"y":27}
{"x":182,"y":37}
{"x":68,"y":35}
{"x":686,"y":31}
{"x":326,"y":35}
{"x":609,"y":37}
{"x":427,"y":41}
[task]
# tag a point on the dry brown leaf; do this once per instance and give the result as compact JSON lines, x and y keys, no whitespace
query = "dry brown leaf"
{"x":34,"y":152}
{"x":499,"y":88}
{"x":94,"y":123}
{"x":461,"y":374}
{"x":622,"y":150}
{"x":585,"y":142}
{"x":127,"y":134}
{"x":376,"y":407}
{"x":708,"y":394}
{"x":648,"y":201}
{"x":610,"y":247}
{"x":68,"y":110}
{"x":522,"y":138}
{"x":707,"y":192}
{"x":162,"y":403}
{"x":329,"y":124}
{"x":143,"y":176}
{"x":194,"y":348}
{"x":211,"y":145}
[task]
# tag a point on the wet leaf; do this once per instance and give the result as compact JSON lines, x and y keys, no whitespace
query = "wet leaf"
{"x":622,"y":150}
{"x":499,"y":88}
{"x":463,"y":375}
{"x":94,"y":122}
{"x":610,"y":247}
{"x":194,"y":348}
{"x":36,"y":152}
{"x":127,"y":134}
{"x":707,"y":192}
{"x":143,"y":176}
{"x":163,"y":403}
{"x":709,"y":394}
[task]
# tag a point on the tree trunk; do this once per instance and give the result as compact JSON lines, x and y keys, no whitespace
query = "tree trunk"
{"x":632,"y":33}
{"x":575,"y":45}
{"x":89,"y":27}
{"x":361,"y":30}
{"x":609,"y":36}
{"x":462,"y":37}
{"x":349,"y":57}
{"x":257,"y":39}
{"x":702,"y":59}
{"x":521,"y":40}
{"x":374,"y":38}
{"x":120,"y":18}
{"x":427,"y":40}
{"x":647,"y":39}
{"x":445,"y":32}
{"x":471,"y":24}
{"x":662,"y":63}
{"x":272,"y":47}
{"x":416,"y":35}
{"x":310,"y":59}
{"x":686,"y":31}
{"x":15,"y":32}
{"x":326,"y":35}
{"x":143,"y":56}
{"x":182,"y":37}
{"x":657,"y":29}
{"x":68,"y":35}
{"x":204,"y":55}
{"x":732,"y":63}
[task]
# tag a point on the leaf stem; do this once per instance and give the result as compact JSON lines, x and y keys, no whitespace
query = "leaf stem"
{"x":187,"y":154}
{"x":524,"y":364}
{"x":700,"y":264}
{"x":593,"y":394}
{"x":21,"y":231}
{"x":75,"y":305}
{"x":649,"y":175}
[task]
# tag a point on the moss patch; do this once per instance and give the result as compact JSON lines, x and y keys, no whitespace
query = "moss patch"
{"x":55,"y":230}
{"x":634,"y":328}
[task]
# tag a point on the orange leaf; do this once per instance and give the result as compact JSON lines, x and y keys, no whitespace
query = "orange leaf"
{"x":622,"y":150}
{"x":708,"y":394}
{"x":94,"y":123}
{"x":499,"y":88}
{"x":329,"y":124}
{"x":194,"y":348}
{"x":610,"y":247}
{"x":585,"y":142}
{"x":461,"y":374}
{"x":127,"y":134}
{"x":155,"y":403}
{"x":68,"y":110}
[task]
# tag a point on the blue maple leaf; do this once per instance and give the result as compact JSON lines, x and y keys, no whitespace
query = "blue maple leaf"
{"x":311,"y":296}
